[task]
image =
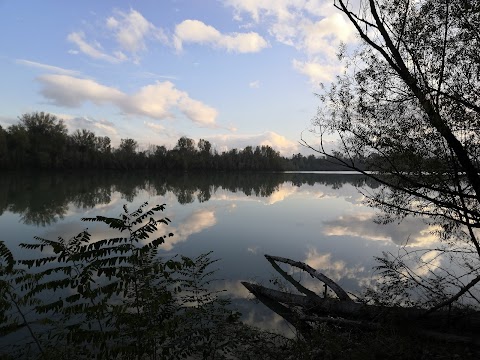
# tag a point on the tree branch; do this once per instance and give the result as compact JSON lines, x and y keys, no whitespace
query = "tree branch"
{"x":342,"y":295}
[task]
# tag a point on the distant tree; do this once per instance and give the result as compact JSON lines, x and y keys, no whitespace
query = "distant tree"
{"x":47,"y":137}
{"x":18,"y":145}
{"x":83,"y":143}
{"x":185,"y":144}
{"x":128,"y":146}
{"x":84,"y":140}
{"x":160,"y":150}
{"x":3,"y":146}
{"x":126,"y":154}
{"x":246,"y":158}
{"x":41,"y":140}
{"x":204,"y":146}
{"x":103,"y":144}
{"x":184,"y":153}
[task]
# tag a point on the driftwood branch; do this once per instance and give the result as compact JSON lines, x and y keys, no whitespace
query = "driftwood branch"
{"x":342,"y":294}
{"x":307,"y":308}
{"x":290,"y":278}
{"x":271,"y":300}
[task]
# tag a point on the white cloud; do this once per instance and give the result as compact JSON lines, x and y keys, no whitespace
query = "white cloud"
{"x":224,"y":142}
{"x":64,"y":116}
{"x":313,"y":27}
{"x":334,"y":27}
{"x":70,"y":91}
{"x":254,"y":84}
{"x":112,"y":22}
{"x":324,"y":37}
{"x":197,"y":111}
{"x":166,"y":136}
{"x":411,"y":231}
{"x":252,"y":249}
{"x":335,"y":269}
{"x":234,"y":289}
{"x":6,"y":121}
{"x":131,"y":30}
{"x":195,"y":31}
{"x":105,"y":126}
{"x":100,"y":127}
{"x":317,"y":72}
{"x":93,"y":50}
{"x":157,"y":128}
{"x":198,"y":221}
{"x":283,"y":10}
{"x":267,"y":321}
{"x":243,"y":42}
{"x":50,"y":68}
{"x":151,"y":75}
{"x":281,"y":194}
{"x":320,"y":7}
{"x":156,"y":101}
{"x":429,"y":262}
{"x":279,"y":142}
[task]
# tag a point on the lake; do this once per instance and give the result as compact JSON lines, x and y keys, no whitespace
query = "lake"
{"x":318,"y":218}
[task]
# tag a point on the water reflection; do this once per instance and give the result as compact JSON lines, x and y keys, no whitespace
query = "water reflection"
{"x":316,"y":218}
{"x":196,"y":222}
{"x":335,"y":269}
{"x":411,"y":231}
{"x":42,"y":199}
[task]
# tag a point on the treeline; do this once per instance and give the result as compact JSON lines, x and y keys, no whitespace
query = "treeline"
{"x":40,"y":140}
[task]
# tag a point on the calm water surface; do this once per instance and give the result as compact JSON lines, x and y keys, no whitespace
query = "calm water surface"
{"x":317,"y":218}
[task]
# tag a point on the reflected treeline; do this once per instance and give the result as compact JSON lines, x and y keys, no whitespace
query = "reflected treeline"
{"x":42,"y":198}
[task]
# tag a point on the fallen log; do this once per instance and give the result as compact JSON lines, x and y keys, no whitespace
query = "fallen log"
{"x":307,"y":309}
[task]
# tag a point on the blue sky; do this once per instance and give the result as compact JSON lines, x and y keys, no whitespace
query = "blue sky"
{"x":234,"y":72}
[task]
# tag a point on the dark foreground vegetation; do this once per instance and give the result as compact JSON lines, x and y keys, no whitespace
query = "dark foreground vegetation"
{"x":41,"y":141}
{"x":114,"y":298}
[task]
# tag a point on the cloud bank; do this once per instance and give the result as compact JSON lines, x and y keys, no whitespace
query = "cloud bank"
{"x":314,"y":27}
{"x":94,"y":49}
{"x":195,"y":31}
{"x":157,"y":101}
{"x":411,"y":231}
{"x":130,"y":30}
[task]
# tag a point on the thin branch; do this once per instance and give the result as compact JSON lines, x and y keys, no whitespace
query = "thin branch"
{"x":342,"y":295}
{"x":444,"y":48}
{"x":382,"y":181}
{"x":365,"y":37}
{"x":454,"y":298}
{"x":435,"y":119}
{"x":291,"y":280}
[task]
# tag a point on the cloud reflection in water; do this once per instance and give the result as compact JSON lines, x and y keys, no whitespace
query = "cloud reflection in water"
{"x":411,"y":231}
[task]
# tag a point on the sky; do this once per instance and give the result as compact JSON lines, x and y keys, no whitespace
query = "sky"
{"x":234,"y":72}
